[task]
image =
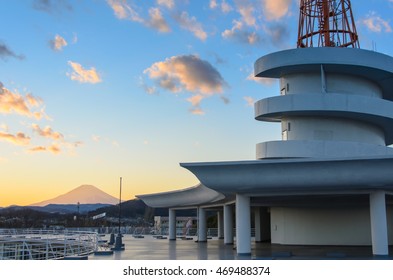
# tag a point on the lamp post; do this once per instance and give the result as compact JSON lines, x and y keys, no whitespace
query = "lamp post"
{"x":119,"y":242}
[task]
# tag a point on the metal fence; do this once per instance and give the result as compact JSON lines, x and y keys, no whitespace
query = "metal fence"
{"x":27,"y":244}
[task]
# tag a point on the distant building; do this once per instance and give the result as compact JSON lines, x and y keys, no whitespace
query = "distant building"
{"x":183,"y":224}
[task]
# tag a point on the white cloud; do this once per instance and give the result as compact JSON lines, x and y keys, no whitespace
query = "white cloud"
{"x":187,"y":73}
{"x":16,"y":139}
{"x":83,"y":75}
{"x":167,"y":3}
{"x":157,"y":21}
{"x":213,"y":4}
{"x":276,"y":9}
{"x":191,"y":24}
{"x":197,"y":111}
{"x":376,"y":24}
{"x":123,"y":10}
{"x":13,"y":102}
{"x":47,"y":132}
{"x":58,"y":43}
{"x":249,"y":100}
{"x":239,"y":33}
{"x":277,"y":33}
{"x":53,"y":148}
{"x":225,"y":7}
{"x":246,"y":9}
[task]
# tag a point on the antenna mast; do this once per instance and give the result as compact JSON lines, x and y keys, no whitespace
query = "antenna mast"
{"x":326,"y":23}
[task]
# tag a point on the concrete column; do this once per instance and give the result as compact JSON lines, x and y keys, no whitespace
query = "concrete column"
{"x":220,"y":224}
{"x":379,"y":231}
{"x":202,"y":228}
{"x":172,"y":224}
{"x":258,"y":229}
{"x":228,"y":224}
{"x":243,"y":225}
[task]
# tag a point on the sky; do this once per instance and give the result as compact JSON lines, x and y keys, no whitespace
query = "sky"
{"x":95,"y":90}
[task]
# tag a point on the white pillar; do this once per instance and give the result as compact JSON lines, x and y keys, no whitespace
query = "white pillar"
{"x":202,"y":229}
{"x":257,"y":214}
{"x":228,"y":224}
{"x":379,"y":232}
{"x":220,"y":224}
{"x":172,"y":224}
{"x":243,"y":225}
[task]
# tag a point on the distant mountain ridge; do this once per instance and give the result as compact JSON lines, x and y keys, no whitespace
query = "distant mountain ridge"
{"x":84,"y":194}
{"x":69,"y":208}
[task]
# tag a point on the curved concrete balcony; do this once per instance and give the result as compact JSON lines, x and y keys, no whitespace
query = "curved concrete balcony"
{"x":192,"y":196}
{"x":296,"y":176}
{"x":367,"y":109}
{"x":318,"y":149}
{"x":371,"y":65}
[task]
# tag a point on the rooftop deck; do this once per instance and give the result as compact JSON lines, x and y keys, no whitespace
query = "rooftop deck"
{"x":149,"y":248}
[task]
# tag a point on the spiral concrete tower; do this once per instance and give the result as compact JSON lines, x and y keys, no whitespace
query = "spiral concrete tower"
{"x":329,"y":180}
{"x":333,"y":102}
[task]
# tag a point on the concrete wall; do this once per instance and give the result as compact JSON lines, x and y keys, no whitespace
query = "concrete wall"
{"x":332,"y":129}
{"x":310,"y":226}
{"x":335,"y":83}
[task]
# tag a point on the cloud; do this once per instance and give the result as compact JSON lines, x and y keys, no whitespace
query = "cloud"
{"x":83,"y":75}
{"x":278,"y":33}
{"x":54,"y":149}
{"x":167,"y":3}
{"x":276,"y":9}
{"x":187,"y":73}
{"x":96,"y":138}
{"x":213,"y":4}
{"x":224,"y":99}
{"x":17,"y":139}
{"x":376,"y":24}
{"x":246,"y":9}
{"x":13,"y":102}
{"x":191,"y":24}
{"x":249,"y":100}
{"x":197,"y":111}
{"x":6,"y":52}
{"x":52,"y":6}
{"x":37,"y":149}
{"x":123,"y":10}
{"x":57,"y":43}
{"x":157,"y":21}
{"x":195,"y":100}
{"x":239,"y":33}
{"x":149,"y":89}
{"x":47,"y":132}
{"x":225,"y":7}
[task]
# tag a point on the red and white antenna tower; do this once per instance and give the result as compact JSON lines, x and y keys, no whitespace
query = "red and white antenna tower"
{"x":326,"y":23}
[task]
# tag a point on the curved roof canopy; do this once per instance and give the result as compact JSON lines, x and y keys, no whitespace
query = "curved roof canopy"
{"x":193,"y":196}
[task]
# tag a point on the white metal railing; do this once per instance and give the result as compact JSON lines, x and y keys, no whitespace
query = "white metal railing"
{"x":27,"y":244}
